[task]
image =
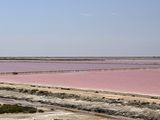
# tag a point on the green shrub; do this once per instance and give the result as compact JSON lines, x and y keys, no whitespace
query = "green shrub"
{"x":40,"y":111}
{"x":6,"y":108}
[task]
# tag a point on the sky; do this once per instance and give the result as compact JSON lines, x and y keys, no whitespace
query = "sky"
{"x":79,"y":27}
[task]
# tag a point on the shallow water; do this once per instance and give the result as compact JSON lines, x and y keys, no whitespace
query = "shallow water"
{"x":132,"y":81}
{"x":33,"y":66}
{"x":145,"y":81}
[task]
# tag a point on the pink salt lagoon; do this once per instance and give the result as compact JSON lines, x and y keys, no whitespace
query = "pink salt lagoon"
{"x":111,"y":75}
{"x":131,"y":81}
{"x":44,"y":66}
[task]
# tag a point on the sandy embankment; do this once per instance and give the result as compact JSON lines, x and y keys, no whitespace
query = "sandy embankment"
{"x":78,"y":104}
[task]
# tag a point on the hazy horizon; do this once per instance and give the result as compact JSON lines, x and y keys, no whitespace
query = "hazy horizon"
{"x":140,"y":56}
{"x":79,"y":28}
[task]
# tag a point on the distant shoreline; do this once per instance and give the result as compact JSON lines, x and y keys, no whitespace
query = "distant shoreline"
{"x":102,"y":58}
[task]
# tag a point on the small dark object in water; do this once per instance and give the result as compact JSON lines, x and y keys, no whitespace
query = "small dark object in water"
{"x":14,"y":73}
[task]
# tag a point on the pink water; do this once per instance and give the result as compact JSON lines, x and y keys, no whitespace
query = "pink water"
{"x":133,"y":81}
{"x":33,"y":66}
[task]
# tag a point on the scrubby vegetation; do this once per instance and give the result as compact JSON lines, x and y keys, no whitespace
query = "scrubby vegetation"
{"x":84,"y":98}
{"x":148,"y":110}
{"x":40,"y":111}
{"x":147,"y":116}
{"x":6,"y":108}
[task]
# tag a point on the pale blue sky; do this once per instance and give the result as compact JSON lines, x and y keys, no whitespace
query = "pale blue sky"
{"x":79,"y":27}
